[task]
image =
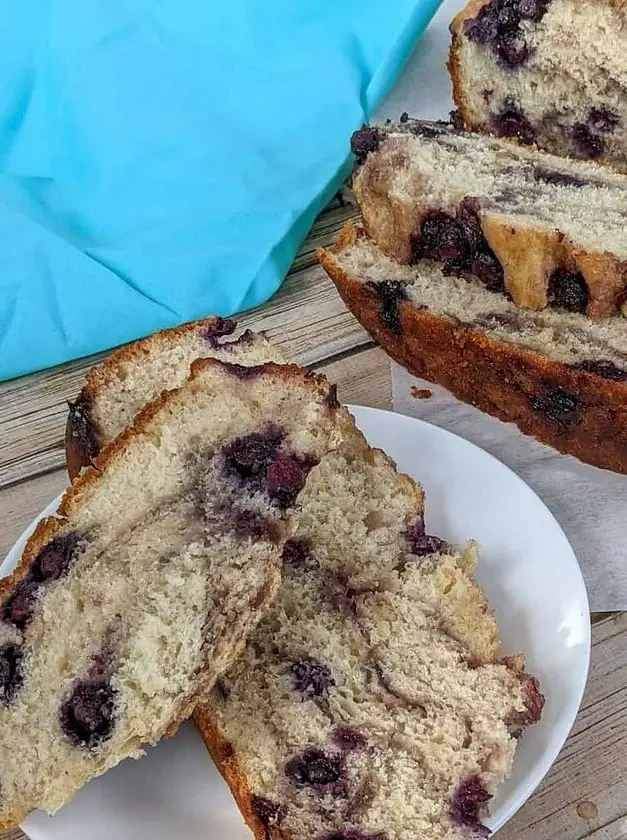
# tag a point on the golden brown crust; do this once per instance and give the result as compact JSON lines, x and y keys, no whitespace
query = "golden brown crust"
{"x":505,"y":380}
{"x":224,"y":757}
{"x":454,"y":63}
{"x":528,"y":257}
{"x":79,"y":450}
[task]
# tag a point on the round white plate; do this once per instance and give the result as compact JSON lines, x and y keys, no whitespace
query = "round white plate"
{"x":533,"y":581}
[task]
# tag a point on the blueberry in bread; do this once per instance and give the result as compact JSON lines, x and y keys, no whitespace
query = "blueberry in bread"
{"x":557,"y":375}
{"x":163,"y":557}
{"x":549,"y":72}
{"x":370,"y":703}
{"x":545,"y":231}
{"x":304,"y":728}
{"x":118,"y":388}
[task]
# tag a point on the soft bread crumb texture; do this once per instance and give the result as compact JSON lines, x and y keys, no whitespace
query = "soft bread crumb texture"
{"x":409,"y":698}
{"x":576,"y":64}
{"x":163,"y":587}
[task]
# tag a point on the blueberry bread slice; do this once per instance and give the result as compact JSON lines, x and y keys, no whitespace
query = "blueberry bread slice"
{"x":549,"y":72}
{"x":370,"y":703}
{"x":557,"y":375}
{"x":119,"y":387}
{"x":162,"y":559}
{"x":544,"y":231}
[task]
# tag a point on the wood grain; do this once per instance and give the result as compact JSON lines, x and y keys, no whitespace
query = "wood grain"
{"x":585,"y":794}
{"x":306,"y":317}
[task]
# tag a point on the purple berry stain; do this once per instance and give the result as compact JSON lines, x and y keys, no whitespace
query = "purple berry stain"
{"x":50,"y":564}
{"x":568,"y":290}
{"x":500,"y":26}
{"x":390,"y":293}
{"x":11,"y":673}
{"x":459,"y":242}
{"x":352,"y":834}
{"x":269,"y":812}
{"x":469,"y":804}
{"x":311,"y":678}
{"x":217,"y":329}
{"x":422,"y":544}
{"x":314,"y":768}
{"x":366,"y":140}
{"x":560,"y":407}
{"x":297,"y":553}
{"x":348,"y":739}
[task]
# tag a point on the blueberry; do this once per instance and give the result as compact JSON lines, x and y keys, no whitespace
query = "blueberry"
{"x":286,"y":477}
{"x":250,"y":454}
{"x":81,"y":426}
{"x":390,"y":294}
{"x":604,"y":368}
{"x":512,"y":122}
{"x":469,"y":802}
{"x":54,"y":560}
{"x":512,"y":50}
{"x":311,"y":678}
{"x":602,"y":120}
{"x":422,"y":544}
{"x":87,"y":716}
{"x":560,"y":407}
{"x":441,"y":237}
{"x":568,"y":290}
{"x":11,"y":673}
{"x":314,"y":768}
{"x":366,"y":140}
{"x":217,"y":329}
{"x":270,"y":813}
{"x":588,"y":144}
{"x":18,"y":609}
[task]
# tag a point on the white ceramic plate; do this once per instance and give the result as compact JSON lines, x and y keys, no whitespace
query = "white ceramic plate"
{"x":532,"y":579}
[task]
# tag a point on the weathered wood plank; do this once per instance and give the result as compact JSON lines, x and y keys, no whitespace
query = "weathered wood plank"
{"x":585,"y":794}
{"x":306,"y":317}
{"x":362,"y":378}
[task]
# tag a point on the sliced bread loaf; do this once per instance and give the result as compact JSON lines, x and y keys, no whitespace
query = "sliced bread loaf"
{"x":545,"y":231}
{"x":163,"y":557}
{"x":370,"y":703}
{"x":550,"y":72}
{"x":120,"y":386}
{"x":557,"y":375}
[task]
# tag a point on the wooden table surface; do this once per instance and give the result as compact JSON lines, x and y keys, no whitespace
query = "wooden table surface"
{"x":585,"y":793}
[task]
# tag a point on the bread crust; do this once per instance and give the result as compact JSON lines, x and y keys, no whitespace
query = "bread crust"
{"x":528,"y":256}
{"x":502,"y":379}
{"x":453,"y":63}
{"x":82,"y":439}
{"x":223,"y":755}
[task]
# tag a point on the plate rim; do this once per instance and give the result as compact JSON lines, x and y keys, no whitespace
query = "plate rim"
{"x":566,"y":724}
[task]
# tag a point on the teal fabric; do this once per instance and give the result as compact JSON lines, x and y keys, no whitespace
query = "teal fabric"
{"x":161,"y":160}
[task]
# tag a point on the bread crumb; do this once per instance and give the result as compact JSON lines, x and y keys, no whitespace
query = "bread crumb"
{"x":421,"y":393}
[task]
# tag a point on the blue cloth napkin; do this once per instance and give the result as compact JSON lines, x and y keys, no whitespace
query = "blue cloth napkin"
{"x":161,"y":160}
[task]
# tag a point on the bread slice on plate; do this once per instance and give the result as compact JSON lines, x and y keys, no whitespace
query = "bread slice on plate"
{"x":550,"y":72}
{"x":162,"y":559}
{"x":371,"y":701}
{"x":119,"y":387}
{"x":544,"y":231}
{"x":559,"y":376}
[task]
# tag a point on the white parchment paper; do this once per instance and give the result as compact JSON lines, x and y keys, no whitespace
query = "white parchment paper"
{"x":590,"y":504}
